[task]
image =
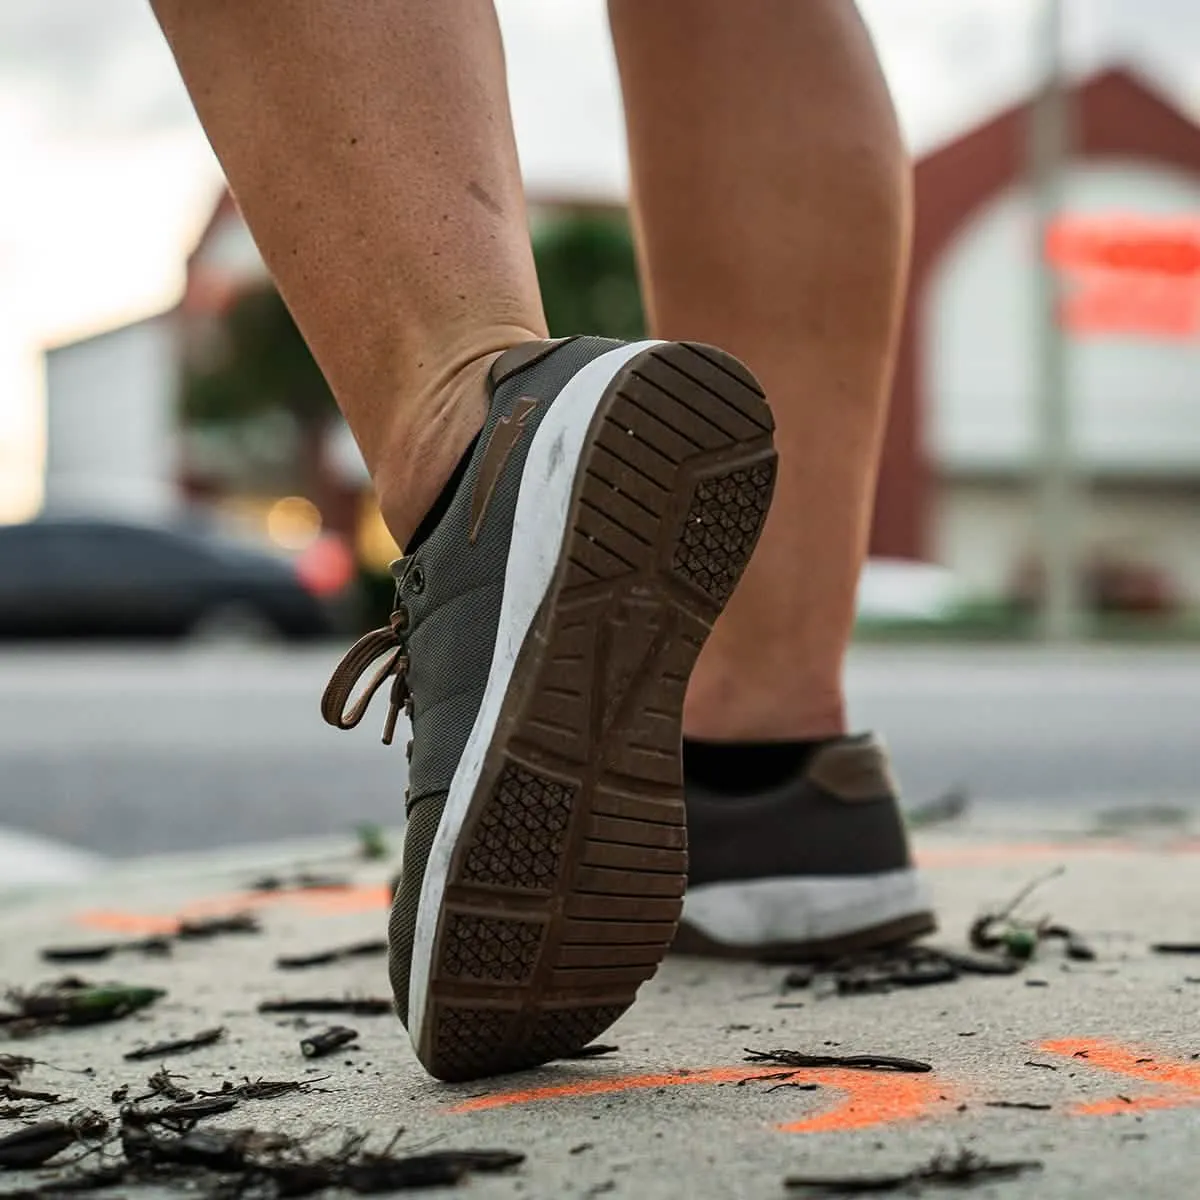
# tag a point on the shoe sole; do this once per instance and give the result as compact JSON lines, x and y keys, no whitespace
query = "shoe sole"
{"x":804,"y":919}
{"x":556,"y":878}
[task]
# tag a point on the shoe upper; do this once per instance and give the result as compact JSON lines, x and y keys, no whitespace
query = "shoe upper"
{"x":839,"y":816}
{"x":452,"y":586}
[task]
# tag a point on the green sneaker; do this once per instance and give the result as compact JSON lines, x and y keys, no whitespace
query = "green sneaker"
{"x":542,"y":642}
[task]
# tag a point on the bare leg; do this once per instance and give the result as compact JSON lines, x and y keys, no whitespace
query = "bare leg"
{"x":772,"y":201}
{"x":370,"y":148}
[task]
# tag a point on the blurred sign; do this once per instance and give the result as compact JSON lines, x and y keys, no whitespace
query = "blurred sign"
{"x":1131,"y":275}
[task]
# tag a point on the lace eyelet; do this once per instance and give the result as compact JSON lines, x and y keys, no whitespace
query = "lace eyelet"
{"x":416,"y":580}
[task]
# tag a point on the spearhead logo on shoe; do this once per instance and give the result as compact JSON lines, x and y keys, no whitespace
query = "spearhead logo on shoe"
{"x":503,"y":438}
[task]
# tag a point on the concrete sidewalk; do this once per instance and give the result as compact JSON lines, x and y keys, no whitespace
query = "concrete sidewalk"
{"x":1112,"y":1047}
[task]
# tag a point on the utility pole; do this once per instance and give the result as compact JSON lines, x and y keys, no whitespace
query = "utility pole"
{"x":1062,"y":617}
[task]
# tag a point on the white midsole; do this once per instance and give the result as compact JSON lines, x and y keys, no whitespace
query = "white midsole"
{"x":757,"y":912}
{"x":539,"y":528}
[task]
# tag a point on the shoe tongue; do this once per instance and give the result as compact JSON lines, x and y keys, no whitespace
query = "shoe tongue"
{"x":853,"y":768}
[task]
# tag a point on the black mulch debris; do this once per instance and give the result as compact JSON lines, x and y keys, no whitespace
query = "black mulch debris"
{"x":209,"y":1037}
{"x":105,"y":950}
{"x":186,"y":931}
{"x":38,"y":1143}
{"x":232,"y":1162}
{"x":267,"y":1089}
{"x":72,"y":1001}
{"x":318,"y":1045}
{"x":963,"y":1170}
{"x":945,"y":808}
{"x":10,"y":1091}
{"x":211,"y":927}
{"x":13,"y":1066}
{"x":593,"y":1051}
{"x":366,"y":1006}
{"x":1002,"y":944}
{"x":302,"y":881}
{"x":373,"y":948}
{"x":853,"y":1062}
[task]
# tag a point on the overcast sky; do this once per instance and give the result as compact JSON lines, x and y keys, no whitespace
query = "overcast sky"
{"x":107,"y":176}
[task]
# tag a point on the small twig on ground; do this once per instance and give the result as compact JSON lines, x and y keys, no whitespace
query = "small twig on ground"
{"x":13,"y":1066}
{"x":38,"y":1143}
{"x":965,"y":1169}
{"x":949,"y":807}
{"x":209,"y":927}
{"x":592,"y":1051}
{"x":73,"y":1001}
{"x":318,"y":1045}
{"x":207,"y":1037}
{"x":360,"y":1007}
{"x":266,"y":1089}
{"x":369,"y":949}
{"x":301,"y":881}
{"x":162,"y":1083}
{"x":854,"y":1062}
{"x":181,"y":1117}
{"x":10,"y":1091}
{"x":105,"y":950}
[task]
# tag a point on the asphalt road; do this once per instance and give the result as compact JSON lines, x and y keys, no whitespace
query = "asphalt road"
{"x":131,"y":752}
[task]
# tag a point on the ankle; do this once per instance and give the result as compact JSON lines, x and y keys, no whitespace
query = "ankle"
{"x":433,"y":427}
{"x":743,"y":709}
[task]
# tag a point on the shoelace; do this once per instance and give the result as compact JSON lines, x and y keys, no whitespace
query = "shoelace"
{"x":391,"y":640}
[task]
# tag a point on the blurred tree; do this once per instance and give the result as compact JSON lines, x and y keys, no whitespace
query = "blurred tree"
{"x":257,"y":364}
{"x":588,"y":276}
{"x":260,"y":363}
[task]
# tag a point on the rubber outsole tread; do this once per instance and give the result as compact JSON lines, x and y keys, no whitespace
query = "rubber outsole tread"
{"x":579,"y":810}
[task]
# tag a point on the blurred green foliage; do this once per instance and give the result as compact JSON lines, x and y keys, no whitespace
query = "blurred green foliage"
{"x":588,"y":276}
{"x":260,"y":362}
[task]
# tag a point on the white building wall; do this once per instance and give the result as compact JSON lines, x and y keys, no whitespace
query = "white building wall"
{"x":982,"y":530}
{"x":110,"y":436}
{"x":1136,"y":398}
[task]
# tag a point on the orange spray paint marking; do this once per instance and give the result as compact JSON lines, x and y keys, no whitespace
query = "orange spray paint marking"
{"x":602,"y":1087}
{"x":869,"y":1097}
{"x":1180,"y":1082}
{"x":321,"y":901}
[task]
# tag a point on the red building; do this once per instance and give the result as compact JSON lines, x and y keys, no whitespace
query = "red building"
{"x":959,"y":447}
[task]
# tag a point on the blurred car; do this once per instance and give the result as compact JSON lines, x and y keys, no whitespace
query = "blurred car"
{"x":110,"y":578}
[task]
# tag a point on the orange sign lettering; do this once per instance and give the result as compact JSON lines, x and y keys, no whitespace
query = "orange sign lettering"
{"x":1128,"y":274}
